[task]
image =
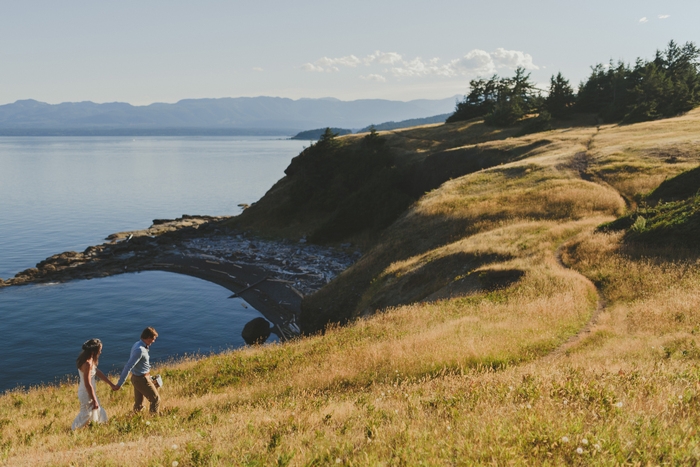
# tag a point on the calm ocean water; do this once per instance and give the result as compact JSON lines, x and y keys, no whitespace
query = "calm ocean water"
{"x":66,"y":193}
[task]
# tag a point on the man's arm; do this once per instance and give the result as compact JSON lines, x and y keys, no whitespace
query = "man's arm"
{"x":135,"y":356}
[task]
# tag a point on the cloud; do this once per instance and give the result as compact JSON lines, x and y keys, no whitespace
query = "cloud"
{"x":374,"y":77}
{"x":643,"y":20}
{"x":480,"y":62}
{"x":418,"y":67}
{"x":474,"y":63}
{"x":312,"y":67}
{"x":387,"y":58}
{"x":513,"y":59}
{"x":257,"y":68}
{"x":664,"y":16}
{"x":331,"y":64}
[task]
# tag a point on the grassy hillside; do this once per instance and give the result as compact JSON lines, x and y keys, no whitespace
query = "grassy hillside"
{"x":500,"y":324}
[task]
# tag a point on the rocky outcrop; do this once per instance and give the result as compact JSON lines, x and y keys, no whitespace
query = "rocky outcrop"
{"x":273,"y":276}
{"x":124,"y":251}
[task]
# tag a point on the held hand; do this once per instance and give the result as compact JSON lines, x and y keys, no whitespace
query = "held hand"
{"x":95,"y":406}
{"x":115,"y":387}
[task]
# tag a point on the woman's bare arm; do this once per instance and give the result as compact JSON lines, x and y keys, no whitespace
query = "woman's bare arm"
{"x":104,"y":378}
{"x":86,"y":369}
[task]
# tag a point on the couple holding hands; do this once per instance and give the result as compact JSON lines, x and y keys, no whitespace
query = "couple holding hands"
{"x":139,"y":365}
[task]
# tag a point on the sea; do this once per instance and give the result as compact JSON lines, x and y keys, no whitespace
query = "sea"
{"x":66,"y":193}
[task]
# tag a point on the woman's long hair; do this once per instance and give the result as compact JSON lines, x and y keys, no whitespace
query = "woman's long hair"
{"x":91,"y":349}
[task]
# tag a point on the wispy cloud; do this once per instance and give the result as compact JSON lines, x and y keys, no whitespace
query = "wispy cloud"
{"x":420,"y":67}
{"x":331,"y":64}
{"x":386,"y":58}
{"x":257,"y":68}
{"x":643,"y":20}
{"x":664,"y":16}
{"x":349,"y":61}
{"x":374,"y":77}
{"x":312,"y":67}
{"x":475,"y":62}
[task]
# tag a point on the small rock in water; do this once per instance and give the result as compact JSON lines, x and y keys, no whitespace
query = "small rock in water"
{"x":256,"y":331}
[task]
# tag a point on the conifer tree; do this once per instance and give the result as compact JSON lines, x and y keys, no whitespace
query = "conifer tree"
{"x":559,"y":103}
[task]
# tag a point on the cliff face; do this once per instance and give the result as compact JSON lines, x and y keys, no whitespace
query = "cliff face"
{"x":414,"y":199}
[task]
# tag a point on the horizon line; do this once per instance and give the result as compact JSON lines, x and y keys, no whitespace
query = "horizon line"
{"x":226,"y":97}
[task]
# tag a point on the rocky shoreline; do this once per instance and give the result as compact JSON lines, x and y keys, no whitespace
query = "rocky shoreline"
{"x":273,"y":276}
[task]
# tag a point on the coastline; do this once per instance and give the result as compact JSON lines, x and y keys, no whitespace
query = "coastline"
{"x":273,"y":276}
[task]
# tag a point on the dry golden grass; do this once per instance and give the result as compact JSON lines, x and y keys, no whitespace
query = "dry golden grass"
{"x":462,"y":373}
{"x":635,"y":159}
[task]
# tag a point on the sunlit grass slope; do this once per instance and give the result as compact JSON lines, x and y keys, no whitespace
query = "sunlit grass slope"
{"x":466,"y":336}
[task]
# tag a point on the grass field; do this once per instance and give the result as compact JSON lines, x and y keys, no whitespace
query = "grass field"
{"x":490,"y":324}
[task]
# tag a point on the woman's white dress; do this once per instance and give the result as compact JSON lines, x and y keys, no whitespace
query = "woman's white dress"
{"x":87,"y":414}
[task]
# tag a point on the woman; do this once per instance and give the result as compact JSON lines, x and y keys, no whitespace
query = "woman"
{"x":90,"y":410}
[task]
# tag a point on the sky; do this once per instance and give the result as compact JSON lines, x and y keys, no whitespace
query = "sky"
{"x":148,"y":51}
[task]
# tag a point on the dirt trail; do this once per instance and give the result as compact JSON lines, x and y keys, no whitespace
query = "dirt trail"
{"x":593,"y":320}
{"x":581,"y":163}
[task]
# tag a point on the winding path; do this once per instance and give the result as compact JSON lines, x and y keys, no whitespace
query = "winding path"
{"x":580,"y":164}
{"x":592,"y":321}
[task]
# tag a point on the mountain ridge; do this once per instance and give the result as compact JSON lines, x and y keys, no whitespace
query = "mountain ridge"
{"x":284,"y":115}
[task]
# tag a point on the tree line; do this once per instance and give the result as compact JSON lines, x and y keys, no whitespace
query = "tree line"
{"x":666,"y":86}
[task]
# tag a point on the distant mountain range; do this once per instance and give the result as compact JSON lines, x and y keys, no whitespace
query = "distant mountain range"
{"x":241,"y":115}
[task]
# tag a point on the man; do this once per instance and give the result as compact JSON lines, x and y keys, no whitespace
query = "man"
{"x":139,"y":365}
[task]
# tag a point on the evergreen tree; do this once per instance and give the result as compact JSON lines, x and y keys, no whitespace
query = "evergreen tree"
{"x":663,"y":87}
{"x":668,"y":85}
{"x":606,"y":92}
{"x":502,"y":101}
{"x":480,"y":101}
{"x":515,"y":97}
{"x":559,"y":103}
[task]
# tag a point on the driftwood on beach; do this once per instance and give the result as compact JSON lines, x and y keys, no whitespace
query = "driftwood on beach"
{"x":272,"y":276}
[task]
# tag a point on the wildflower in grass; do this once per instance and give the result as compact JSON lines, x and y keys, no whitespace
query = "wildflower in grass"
{"x":566,"y":402}
{"x":174,"y":446}
{"x":337,"y":460}
{"x":584,"y":441}
{"x":175,"y":463}
{"x":596,"y":446}
{"x":564,"y":439}
{"x":148,"y":423}
{"x":619,"y":405}
{"x":579,"y":450}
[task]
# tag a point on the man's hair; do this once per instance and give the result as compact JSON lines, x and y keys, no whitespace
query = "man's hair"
{"x":148,"y":333}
